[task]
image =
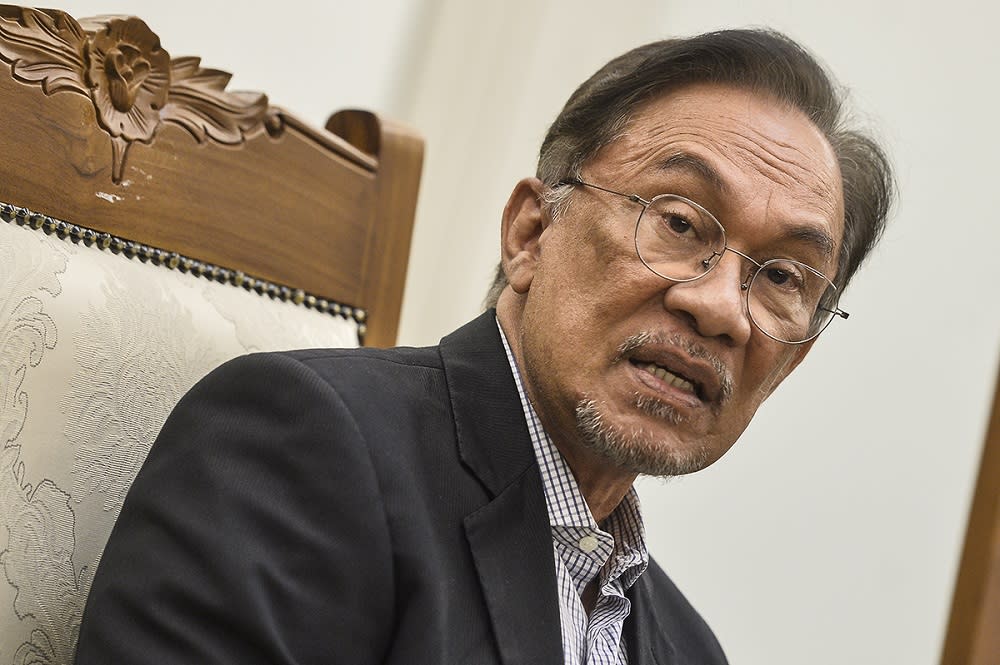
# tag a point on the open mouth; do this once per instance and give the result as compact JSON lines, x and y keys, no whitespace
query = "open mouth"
{"x":670,"y":377}
{"x":675,"y":363}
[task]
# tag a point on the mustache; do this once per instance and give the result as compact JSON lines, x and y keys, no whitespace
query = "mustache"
{"x":690,"y":347}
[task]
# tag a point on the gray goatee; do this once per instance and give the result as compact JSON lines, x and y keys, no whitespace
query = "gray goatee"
{"x":637,"y":449}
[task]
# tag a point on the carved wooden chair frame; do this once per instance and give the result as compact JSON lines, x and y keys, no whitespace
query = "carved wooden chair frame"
{"x":134,"y":111}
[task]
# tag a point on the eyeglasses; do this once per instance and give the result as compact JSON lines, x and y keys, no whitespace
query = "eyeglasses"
{"x":679,"y":240}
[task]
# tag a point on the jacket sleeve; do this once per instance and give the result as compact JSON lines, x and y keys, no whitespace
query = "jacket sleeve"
{"x":254,"y":533}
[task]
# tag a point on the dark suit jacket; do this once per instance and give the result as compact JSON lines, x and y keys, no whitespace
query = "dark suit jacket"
{"x":351,"y":506}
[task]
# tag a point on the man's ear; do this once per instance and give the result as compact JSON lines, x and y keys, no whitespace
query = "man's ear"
{"x":524,"y":221}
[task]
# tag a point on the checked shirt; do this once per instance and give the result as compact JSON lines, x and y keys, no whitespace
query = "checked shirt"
{"x":613,"y":552}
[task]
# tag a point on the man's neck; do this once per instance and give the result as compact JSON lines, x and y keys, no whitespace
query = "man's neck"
{"x":603,"y":487}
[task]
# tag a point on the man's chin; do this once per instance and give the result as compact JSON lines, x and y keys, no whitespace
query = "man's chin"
{"x":636,"y":449}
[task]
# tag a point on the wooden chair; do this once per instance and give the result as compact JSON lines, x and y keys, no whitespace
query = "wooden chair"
{"x":154,"y":225}
{"x":973,"y":636}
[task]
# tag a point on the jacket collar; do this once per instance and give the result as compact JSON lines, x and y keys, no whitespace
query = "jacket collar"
{"x":509,"y":537}
{"x":492,"y":436}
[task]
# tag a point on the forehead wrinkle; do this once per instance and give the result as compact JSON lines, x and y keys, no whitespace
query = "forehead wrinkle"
{"x":783,"y":169}
{"x":746,"y":159}
{"x":786,"y":169}
{"x":700,"y":127}
{"x":799,"y":171}
{"x":687,"y":162}
{"x":803,"y":165}
{"x":637,"y":151}
{"x":641,"y":153}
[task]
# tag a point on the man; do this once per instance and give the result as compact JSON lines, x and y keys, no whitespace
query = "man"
{"x":698,"y":208}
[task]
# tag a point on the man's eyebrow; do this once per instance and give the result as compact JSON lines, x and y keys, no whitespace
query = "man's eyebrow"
{"x":814,"y":236}
{"x":682,"y":161}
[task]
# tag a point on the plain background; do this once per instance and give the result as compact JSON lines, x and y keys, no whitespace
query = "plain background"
{"x":831,"y":532}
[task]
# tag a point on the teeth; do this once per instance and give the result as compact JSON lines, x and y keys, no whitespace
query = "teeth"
{"x":669,"y":377}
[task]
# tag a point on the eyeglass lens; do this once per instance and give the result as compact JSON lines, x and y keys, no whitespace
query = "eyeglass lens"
{"x":681,"y":241}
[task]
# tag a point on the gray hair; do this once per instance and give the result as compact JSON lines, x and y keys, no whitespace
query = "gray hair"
{"x":761,"y":61}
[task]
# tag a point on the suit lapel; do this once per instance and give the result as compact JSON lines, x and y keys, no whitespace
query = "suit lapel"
{"x":517,"y":572}
{"x":509,"y":537}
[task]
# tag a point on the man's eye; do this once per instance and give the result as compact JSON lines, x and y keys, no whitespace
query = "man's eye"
{"x":678,"y":224}
{"x":777,"y":276}
{"x":787,"y":279}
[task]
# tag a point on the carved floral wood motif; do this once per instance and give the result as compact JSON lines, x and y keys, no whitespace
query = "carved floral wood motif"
{"x":134,"y":84}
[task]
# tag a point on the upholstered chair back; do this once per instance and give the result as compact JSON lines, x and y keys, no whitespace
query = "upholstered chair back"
{"x":97,"y":348}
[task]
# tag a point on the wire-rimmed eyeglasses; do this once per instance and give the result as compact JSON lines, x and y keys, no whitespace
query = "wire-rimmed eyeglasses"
{"x":681,"y":241}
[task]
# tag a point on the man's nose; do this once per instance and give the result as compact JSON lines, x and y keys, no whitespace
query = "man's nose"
{"x":715,"y":303}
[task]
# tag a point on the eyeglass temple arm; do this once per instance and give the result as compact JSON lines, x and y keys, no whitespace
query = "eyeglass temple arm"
{"x":837,"y":312}
{"x":635,"y":198}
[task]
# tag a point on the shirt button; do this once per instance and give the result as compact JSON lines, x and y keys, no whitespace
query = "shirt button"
{"x":588,"y":544}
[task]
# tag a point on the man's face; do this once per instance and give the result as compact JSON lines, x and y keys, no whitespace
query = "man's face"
{"x":662,"y":377}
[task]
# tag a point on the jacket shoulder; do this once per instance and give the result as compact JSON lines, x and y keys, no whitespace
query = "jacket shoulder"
{"x":401,"y":356}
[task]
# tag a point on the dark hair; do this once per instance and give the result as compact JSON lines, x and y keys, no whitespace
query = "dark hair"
{"x":761,"y":61}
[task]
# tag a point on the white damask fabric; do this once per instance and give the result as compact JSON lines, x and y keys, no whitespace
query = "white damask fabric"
{"x":95,"y":349}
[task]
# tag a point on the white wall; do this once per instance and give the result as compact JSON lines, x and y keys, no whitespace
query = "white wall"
{"x":831,"y":532}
